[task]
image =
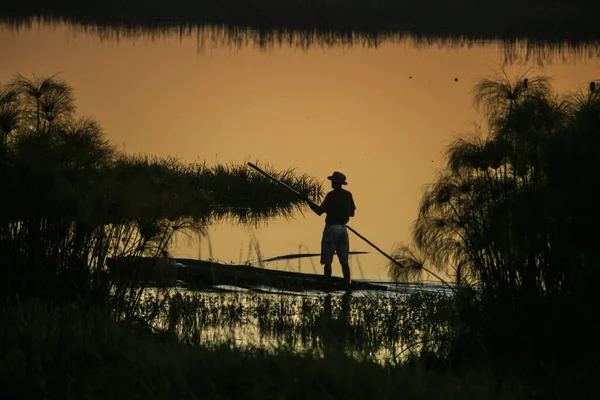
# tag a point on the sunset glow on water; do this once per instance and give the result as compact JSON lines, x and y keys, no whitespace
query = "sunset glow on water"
{"x":382,"y":116}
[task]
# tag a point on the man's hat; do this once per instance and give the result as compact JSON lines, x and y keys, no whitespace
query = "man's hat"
{"x":338,"y":177}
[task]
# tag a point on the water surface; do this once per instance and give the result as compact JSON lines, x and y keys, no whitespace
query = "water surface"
{"x":381,"y":114}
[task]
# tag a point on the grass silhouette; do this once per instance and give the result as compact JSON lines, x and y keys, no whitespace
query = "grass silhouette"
{"x":508,"y":217}
{"x":542,"y":29}
{"x":70,"y":200}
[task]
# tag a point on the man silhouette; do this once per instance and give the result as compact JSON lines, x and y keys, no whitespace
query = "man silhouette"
{"x":339,"y":207}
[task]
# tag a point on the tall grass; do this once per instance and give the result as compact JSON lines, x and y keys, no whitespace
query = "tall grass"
{"x":515,"y":47}
{"x":512,"y":215}
{"x":384,"y":328}
{"x":69,"y":200}
{"x":59,"y":351}
{"x":509,"y":17}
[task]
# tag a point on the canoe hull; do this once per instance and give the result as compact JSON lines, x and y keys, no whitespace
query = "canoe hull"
{"x":200,"y":274}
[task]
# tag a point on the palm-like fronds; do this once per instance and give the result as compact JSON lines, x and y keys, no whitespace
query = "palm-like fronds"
{"x":83,"y":201}
{"x":477,"y":219}
{"x":467,"y":153}
{"x":45,"y":100}
{"x":83,"y":144}
{"x":585,"y":103}
{"x":57,"y":105}
{"x":512,"y":211}
{"x":10,"y":115}
{"x":411,"y":262}
{"x":497,"y":96}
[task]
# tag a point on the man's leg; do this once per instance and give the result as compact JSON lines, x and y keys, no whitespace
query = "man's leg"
{"x":327,"y":270}
{"x":327,"y":250}
{"x":343,"y":250}
{"x":346,"y":272}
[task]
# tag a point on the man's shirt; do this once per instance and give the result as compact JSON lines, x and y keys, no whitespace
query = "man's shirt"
{"x":339,"y":207}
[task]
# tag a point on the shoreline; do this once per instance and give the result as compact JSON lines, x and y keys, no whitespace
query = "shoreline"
{"x":544,"y":21}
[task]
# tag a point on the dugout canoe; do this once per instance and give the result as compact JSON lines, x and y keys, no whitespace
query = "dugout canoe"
{"x":202,"y":274}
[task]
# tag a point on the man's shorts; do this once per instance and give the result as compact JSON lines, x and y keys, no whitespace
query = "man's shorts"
{"x":335,"y":240}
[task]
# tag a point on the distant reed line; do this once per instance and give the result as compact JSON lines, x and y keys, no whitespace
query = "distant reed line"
{"x":512,"y":49}
{"x":486,"y":17}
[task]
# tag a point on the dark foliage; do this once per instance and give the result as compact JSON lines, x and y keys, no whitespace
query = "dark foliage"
{"x":513,"y":216}
{"x":69,"y":200}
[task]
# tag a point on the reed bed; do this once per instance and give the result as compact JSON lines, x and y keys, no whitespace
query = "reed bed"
{"x":70,"y":200}
{"x":381,"y":327}
{"x":538,"y":18}
{"x":511,"y":213}
{"x":508,"y":216}
{"x":62,"y":351}
{"x":515,"y":48}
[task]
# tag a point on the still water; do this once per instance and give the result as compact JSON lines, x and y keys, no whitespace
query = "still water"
{"x":381,"y":114}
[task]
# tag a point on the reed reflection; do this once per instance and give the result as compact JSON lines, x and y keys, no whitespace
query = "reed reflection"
{"x":514,"y":49}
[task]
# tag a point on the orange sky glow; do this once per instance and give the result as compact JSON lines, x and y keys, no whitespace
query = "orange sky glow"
{"x":354,"y":109}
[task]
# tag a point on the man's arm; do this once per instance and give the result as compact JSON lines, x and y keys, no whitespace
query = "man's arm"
{"x":318,"y":209}
{"x":352,"y":206}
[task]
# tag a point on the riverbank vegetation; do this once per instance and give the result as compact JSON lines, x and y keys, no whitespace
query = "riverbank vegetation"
{"x":540,"y":32}
{"x":509,"y":218}
{"x":53,"y":351}
{"x":490,"y":18}
{"x":70,"y":200}
{"x":512,"y":215}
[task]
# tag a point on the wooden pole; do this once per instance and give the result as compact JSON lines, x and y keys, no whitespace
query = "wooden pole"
{"x":353,"y":231}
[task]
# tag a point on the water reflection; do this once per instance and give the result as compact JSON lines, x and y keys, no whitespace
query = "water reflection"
{"x":512,"y":49}
{"x":375,"y":326}
{"x":397,"y":104}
